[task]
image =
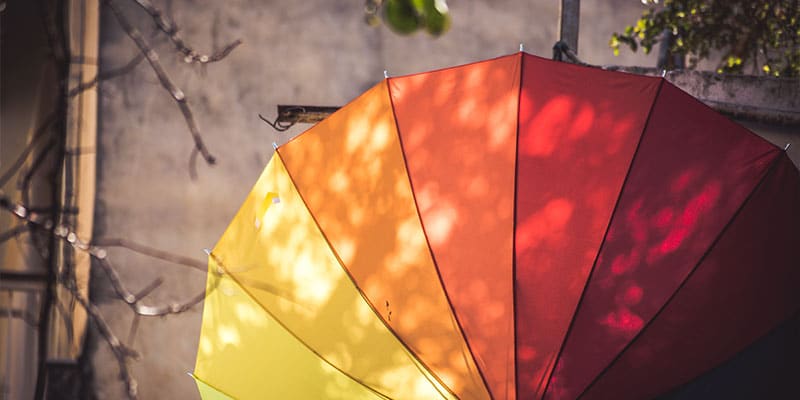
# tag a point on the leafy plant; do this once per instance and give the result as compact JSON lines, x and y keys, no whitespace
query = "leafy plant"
{"x":764,"y":34}
{"x":408,"y":16}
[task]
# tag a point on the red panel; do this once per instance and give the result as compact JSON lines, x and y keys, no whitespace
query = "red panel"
{"x":458,"y":127}
{"x":691,"y":173}
{"x":578,"y":130}
{"x":747,"y":285}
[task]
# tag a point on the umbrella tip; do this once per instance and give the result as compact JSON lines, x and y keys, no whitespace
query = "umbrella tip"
{"x":521,"y":47}
{"x":787,"y":146}
{"x":207,"y":251}
{"x":663,"y":73}
{"x":274,"y":145}
{"x":386,"y":74}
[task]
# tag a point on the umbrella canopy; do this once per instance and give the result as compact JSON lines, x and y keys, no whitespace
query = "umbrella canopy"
{"x":515,"y":228}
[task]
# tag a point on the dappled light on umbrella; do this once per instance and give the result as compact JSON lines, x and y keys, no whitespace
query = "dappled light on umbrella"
{"x":514,"y":228}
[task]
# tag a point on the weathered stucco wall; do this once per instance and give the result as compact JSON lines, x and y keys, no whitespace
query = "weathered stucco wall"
{"x":295,"y":52}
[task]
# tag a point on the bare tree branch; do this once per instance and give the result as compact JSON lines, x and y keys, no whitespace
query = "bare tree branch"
{"x":66,"y":317}
{"x":38,"y":135}
{"x":163,"y":78}
{"x":12,"y":233}
{"x":102,"y":76}
{"x":63,"y":232}
{"x":168,"y":26}
{"x":193,"y":164}
{"x":151,"y":252}
{"x":24,"y":181}
{"x":121,"y":352}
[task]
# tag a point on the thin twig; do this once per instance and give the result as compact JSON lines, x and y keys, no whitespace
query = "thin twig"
{"x":12,"y":233}
{"x":66,"y":318}
{"x":163,"y":78}
{"x":193,"y":164}
{"x":23,"y":155}
{"x":151,"y":252}
{"x":65,"y":233}
{"x":145,"y":291}
{"x":168,"y":26}
{"x":105,"y":75}
{"x":136,"y":302}
{"x":121,"y":352}
{"x":24,"y":182}
{"x":134,"y":328}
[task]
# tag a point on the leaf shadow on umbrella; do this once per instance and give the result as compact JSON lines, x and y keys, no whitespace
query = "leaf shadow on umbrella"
{"x":458,"y":129}
{"x":689,"y":177}
{"x":274,"y":244}
{"x":350,"y":171}
{"x":578,"y":131}
{"x":421,"y":223}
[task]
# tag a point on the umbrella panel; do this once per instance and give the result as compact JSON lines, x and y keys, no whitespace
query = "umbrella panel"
{"x":458,"y":132}
{"x":603,"y":205}
{"x":350,"y":171}
{"x":576,"y":142}
{"x":276,"y":253}
{"x":687,"y":180}
{"x":746,"y":285}
{"x":245,"y":353}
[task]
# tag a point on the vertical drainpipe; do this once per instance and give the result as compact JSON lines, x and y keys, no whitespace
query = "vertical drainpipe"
{"x":79,"y":177}
{"x":569,"y":19}
{"x":61,"y":337}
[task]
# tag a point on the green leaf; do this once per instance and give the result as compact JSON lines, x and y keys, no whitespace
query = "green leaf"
{"x":401,"y":16}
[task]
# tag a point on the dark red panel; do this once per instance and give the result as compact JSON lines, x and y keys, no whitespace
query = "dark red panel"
{"x":767,"y":369}
{"x":693,"y":170}
{"x":746,"y":286}
{"x":578,"y":130}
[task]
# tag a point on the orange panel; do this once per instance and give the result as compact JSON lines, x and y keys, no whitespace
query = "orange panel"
{"x":351,"y":172}
{"x":458,"y":128}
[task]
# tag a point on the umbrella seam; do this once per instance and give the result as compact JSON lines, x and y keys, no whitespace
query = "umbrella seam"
{"x":514,"y":230}
{"x":549,"y":374}
{"x":767,"y":172}
{"x":428,"y":244}
{"x":303,"y":342}
{"x":416,"y":359}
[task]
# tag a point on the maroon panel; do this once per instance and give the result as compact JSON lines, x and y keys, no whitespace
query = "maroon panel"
{"x":691,"y":173}
{"x":578,"y":130}
{"x":747,"y":285}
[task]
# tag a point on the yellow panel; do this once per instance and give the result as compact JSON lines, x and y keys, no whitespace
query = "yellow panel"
{"x":351,"y":172}
{"x":207,"y":392}
{"x":275,"y":251}
{"x":245,"y":353}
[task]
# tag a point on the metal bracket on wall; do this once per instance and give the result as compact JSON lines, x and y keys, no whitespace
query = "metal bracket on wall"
{"x":288,"y":115}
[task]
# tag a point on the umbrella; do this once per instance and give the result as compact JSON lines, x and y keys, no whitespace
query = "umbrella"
{"x":512,"y":228}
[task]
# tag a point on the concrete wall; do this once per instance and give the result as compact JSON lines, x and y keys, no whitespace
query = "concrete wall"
{"x":315,"y":52}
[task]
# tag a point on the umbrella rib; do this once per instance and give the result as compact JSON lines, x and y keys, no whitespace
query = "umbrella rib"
{"x":686,"y":279}
{"x":303,"y":342}
{"x":602,"y":243}
{"x":514,"y":231}
{"x":416,"y":360}
{"x":430,"y":250}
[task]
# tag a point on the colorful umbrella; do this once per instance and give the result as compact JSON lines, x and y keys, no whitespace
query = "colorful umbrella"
{"x":513,"y":228}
